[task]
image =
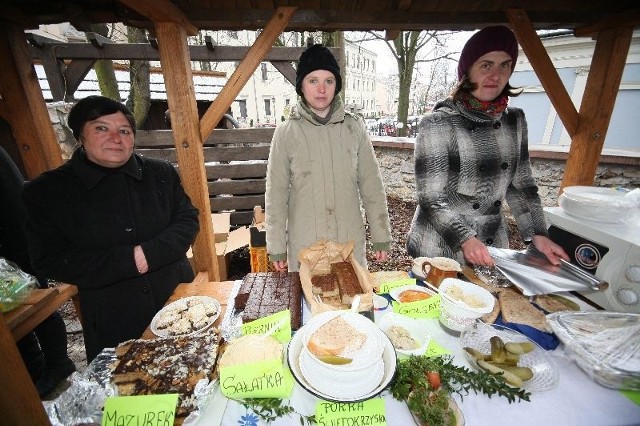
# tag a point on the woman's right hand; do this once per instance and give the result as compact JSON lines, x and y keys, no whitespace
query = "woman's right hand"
{"x":476,"y":253}
{"x":281,"y":265}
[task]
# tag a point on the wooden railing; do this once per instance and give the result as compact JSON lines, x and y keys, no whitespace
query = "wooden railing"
{"x":235,"y":163}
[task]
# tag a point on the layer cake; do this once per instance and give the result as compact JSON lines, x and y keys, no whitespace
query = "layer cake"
{"x":166,"y":365}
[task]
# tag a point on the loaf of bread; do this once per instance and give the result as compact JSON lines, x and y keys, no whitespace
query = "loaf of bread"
{"x":325,"y":285}
{"x":336,"y":337}
{"x":348,"y":282}
{"x":516,"y":308}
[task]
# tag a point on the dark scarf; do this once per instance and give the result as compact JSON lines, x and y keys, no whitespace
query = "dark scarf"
{"x":316,"y":117}
{"x":493,"y":108}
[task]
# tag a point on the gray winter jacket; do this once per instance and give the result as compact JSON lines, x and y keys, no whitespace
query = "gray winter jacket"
{"x":317,"y":178}
{"x":466,"y":165}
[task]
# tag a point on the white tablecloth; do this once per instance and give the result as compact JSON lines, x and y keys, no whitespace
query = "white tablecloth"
{"x":576,"y":401}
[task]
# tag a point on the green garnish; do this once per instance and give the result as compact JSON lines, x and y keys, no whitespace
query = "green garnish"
{"x":431,"y":405}
{"x":269,"y":409}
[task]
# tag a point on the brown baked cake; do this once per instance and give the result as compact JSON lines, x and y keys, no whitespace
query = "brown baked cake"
{"x":347,"y":281}
{"x":166,"y":365}
{"x":271,"y":292}
{"x":325,"y":285}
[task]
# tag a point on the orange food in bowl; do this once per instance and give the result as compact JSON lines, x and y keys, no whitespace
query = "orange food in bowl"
{"x":413,"y":296}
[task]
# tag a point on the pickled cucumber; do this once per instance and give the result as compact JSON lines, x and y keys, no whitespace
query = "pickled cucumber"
{"x":477,"y":354}
{"x":335,"y":360}
{"x":498,"y":352}
{"x":518,"y":348}
{"x":509,"y":377}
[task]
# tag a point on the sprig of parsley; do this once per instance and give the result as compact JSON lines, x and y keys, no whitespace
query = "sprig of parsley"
{"x":269,"y":409}
{"x":431,"y":405}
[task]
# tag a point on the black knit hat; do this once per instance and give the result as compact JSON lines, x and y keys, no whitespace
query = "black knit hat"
{"x":317,"y":57}
{"x":488,"y":39}
{"x":93,"y":107}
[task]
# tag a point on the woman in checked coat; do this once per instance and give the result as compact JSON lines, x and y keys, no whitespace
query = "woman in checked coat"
{"x":471,"y":155}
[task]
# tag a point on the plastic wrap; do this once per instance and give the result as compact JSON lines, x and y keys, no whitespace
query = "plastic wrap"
{"x":15,"y":285}
{"x":606,"y":345}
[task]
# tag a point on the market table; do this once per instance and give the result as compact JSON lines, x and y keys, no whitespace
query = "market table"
{"x":577,"y":400}
{"x":20,"y":403}
{"x":39,"y":305}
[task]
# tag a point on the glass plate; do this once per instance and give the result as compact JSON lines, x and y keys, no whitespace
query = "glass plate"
{"x":181,"y":306}
{"x":545,"y":370}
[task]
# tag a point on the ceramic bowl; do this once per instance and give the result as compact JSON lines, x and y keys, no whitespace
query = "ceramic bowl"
{"x":418,"y":329}
{"x":456,"y":314}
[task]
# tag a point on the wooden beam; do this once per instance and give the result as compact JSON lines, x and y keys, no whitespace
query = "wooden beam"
{"x":24,"y":105}
{"x":287,"y":70}
{"x":181,"y":97}
{"x":390,"y":35}
{"x":603,"y":84}
{"x":544,"y":68}
{"x":19,"y":403}
{"x":241,"y":75}
{"x":162,"y":11}
{"x":146,"y":51}
{"x":628,"y":18}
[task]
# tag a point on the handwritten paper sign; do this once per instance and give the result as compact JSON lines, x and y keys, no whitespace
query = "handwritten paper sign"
{"x":140,"y":410}
{"x":265,"y":379}
{"x":369,"y":412}
{"x":262,"y":325}
{"x":434,"y":349}
{"x":386,"y":287}
{"x":427,"y":308}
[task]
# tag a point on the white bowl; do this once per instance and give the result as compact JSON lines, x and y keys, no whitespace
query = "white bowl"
{"x":458,"y":315}
{"x":357,"y":378}
{"x":418,"y":330}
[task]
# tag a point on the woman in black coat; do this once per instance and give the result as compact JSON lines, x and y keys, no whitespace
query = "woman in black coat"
{"x":114,"y":223}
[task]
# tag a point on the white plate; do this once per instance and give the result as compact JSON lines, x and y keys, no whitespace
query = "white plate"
{"x":593,"y":195}
{"x":294,"y":350}
{"x":181,"y":305}
{"x":395,"y":292}
{"x":545,"y":370}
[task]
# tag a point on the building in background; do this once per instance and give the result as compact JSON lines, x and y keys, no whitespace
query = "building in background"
{"x":571,"y":56}
{"x":359,"y":87}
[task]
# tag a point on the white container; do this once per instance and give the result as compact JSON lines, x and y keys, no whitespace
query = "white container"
{"x":458,"y":315}
{"x":418,"y":329}
{"x":355,"y":379}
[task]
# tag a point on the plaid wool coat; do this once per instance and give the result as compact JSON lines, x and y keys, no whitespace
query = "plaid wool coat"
{"x":467,"y":164}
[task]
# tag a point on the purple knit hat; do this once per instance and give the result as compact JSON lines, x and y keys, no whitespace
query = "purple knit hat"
{"x":488,"y":39}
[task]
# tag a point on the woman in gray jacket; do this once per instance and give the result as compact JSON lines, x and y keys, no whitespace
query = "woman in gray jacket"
{"x":322,"y":168}
{"x":472,"y":154}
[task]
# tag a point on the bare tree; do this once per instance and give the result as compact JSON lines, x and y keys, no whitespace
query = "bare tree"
{"x":105,"y":73}
{"x":409,"y":49}
{"x":140,"y":93}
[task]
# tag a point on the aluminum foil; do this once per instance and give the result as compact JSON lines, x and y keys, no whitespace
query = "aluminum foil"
{"x":534,"y":274}
{"x":83,"y":402}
